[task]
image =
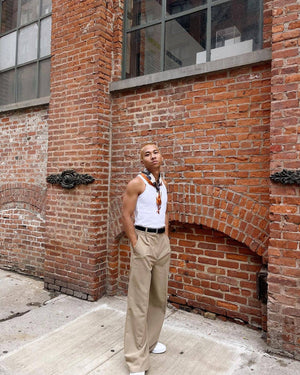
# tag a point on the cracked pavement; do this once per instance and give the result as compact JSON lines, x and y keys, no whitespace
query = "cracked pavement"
{"x":27,"y":311}
{"x":46,"y":334}
{"x":19,"y":295}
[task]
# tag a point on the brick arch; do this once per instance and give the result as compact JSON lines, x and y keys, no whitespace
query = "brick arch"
{"x":31,"y":197}
{"x":222,"y":209}
{"x":22,"y":211}
{"x":227,"y":211}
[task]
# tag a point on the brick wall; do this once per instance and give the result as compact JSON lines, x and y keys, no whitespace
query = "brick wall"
{"x":79,"y":132}
{"x":23,"y":158}
{"x":213,"y":131}
{"x":284,"y":252}
{"x":209,"y":272}
{"x":217,"y":133}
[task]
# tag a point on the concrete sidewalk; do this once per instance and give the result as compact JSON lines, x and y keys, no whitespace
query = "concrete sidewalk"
{"x":43,"y":334}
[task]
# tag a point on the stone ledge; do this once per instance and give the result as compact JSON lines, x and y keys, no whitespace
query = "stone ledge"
{"x":25,"y":104}
{"x":193,"y":70}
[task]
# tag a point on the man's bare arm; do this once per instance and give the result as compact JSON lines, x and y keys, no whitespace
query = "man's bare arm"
{"x":134,"y":188}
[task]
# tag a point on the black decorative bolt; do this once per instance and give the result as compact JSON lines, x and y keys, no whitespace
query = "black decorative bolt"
{"x":69,"y":179}
{"x":286,"y":177}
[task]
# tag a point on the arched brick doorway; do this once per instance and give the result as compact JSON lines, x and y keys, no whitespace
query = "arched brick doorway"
{"x":219,"y":244}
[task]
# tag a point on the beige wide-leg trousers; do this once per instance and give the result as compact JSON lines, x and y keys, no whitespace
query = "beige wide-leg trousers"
{"x":147,"y":298}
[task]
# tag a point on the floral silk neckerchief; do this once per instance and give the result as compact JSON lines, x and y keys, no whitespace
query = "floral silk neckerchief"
{"x":157,"y":184}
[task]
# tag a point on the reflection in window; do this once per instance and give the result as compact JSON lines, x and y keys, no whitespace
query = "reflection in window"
{"x":9,"y":14}
{"x":27,"y":82}
{"x":24,"y":50}
{"x":235,"y":22}
{"x":45,"y":37}
{"x":7,"y":84}
{"x":143,"y":11}
{"x":27,"y":46}
{"x":177,"y":6}
{"x":30,"y":10}
{"x":46,"y":7}
{"x":44,"y":78}
{"x":8,"y":51}
{"x":185,"y":37}
{"x":188,"y":32}
{"x":145,"y":50}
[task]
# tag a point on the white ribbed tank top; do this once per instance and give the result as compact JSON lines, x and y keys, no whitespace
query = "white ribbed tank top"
{"x":146,"y":213}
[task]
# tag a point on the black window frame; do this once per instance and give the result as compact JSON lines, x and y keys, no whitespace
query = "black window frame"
{"x":165,"y":18}
{"x":38,"y":60}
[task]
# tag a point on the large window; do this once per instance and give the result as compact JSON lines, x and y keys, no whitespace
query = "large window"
{"x":168,"y":34}
{"x":25,"y":36}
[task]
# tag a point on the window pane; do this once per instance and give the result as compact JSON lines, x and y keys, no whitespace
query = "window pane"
{"x":26,"y":82}
{"x":25,"y":49}
{"x":7,"y":85}
{"x":30,"y":10}
{"x":176,"y":6}
{"x":27,"y":46}
{"x":46,"y":7}
{"x":142,"y":11}
{"x":235,"y":28}
{"x":9,"y":15}
{"x":45,"y":41}
{"x":44,"y":78}
{"x":185,"y":40}
{"x":8,"y":50}
{"x":143,"y":48}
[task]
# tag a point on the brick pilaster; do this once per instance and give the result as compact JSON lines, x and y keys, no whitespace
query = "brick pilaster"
{"x":284,"y":251}
{"x":79,"y":125}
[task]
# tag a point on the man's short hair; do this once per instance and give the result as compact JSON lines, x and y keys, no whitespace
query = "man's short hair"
{"x":147,"y":144}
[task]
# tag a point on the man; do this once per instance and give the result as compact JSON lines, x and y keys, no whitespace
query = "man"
{"x":146,"y":198}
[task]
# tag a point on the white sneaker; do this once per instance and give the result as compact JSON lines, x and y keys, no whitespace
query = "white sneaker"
{"x":138,"y":373}
{"x":159,"y":348}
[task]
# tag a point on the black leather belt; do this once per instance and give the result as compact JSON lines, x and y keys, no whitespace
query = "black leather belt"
{"x":150,"y":230}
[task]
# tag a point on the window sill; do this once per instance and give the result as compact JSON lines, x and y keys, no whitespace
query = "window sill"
{"x":25,"y":104}
{"x":188,"y":71}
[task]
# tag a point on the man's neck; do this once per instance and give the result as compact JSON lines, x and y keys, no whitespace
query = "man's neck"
{"x":155,"y":173}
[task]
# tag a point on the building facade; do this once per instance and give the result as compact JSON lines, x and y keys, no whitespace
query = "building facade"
{"x":216,"y":84}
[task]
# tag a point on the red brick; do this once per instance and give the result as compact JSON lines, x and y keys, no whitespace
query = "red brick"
{"x":227,"y":306}
{"x":219,"y":133}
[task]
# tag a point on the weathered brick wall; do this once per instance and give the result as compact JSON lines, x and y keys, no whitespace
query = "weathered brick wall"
{"x":209,"y":272}
{"x":79,"y":131}
{"x":284,"y":251}
{"x":23,"y":160}
{"x":213,"y":131}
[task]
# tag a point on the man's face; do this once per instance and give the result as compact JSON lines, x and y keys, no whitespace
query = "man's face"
{"x":151,"y":157}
